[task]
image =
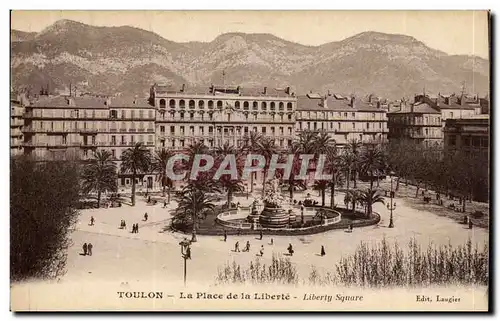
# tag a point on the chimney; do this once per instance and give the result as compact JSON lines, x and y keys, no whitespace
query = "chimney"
{"x":353,"y":101}
{"x":370,"y":98}
{"x":71,"y":101}
{"x":462,"y":100}
{"x":265,"y":90}
{"x":287,"y":90}
{"x":325,"y":102}
{"x":447,"y":100}
{"x":412,"y":107}
{"x":183,"y":87}
{"x":378,"y":104}
{"x":238,"y":89}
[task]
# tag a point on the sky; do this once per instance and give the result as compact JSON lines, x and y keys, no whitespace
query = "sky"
{"x":454,"y":32}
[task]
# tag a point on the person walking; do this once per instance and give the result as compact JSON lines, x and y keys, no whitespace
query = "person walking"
{"x":261,"y":250}
{"x":89,"y":249}
{"x":247,"y":247}
{"x":323,"y":250}
{"x":225,"y":236}
{"x":145,"y":216}
{"x":272,"y":241}
{"x":470,"y":224}
{"x":92,"y":221}
{"x":237,"y":246}
{"x":133,"y":228}
{"x":84,"y":248}
{"x":164,"y":203}
{"x":260,"y":233}
{"x":290,"y":249}
{"x":137,"y":227}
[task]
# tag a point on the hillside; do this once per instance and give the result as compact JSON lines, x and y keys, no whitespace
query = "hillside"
{"x":127,"y":59}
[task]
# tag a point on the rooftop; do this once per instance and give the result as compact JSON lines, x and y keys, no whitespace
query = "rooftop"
{"x":418,"y":108}
{"x":90,"y":102}
{"x":223,"y":90}
{"x":337,"y":102}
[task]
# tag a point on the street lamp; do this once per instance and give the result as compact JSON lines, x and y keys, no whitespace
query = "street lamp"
{"x":186,"y":254}
{"x":392,"y":205}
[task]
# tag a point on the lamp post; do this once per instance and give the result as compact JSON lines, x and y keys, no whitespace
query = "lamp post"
{"x":186,"y":254}
{"x":392,"y":205}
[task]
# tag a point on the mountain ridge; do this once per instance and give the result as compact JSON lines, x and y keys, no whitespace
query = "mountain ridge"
{"x":390,"y":65}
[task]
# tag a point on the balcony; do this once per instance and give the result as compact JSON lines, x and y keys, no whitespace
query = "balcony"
{"x":89,"y":130}
{"x":90,"y":145}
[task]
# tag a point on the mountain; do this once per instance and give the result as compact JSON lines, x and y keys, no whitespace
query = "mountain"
{"x":127,"y":59}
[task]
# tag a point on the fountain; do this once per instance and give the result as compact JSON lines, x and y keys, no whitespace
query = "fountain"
{"x":274,"y":215}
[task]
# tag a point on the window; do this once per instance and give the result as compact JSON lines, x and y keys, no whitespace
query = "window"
{"x":451,"y":114}
{"x":379,"y":125}
{"x":132,"y":139}
{"x":367,"y":125}
{"x":245,"y":105}
{"x":191,"y":116}
{"x":201,"y":130}
{"x":255,"y":129}
{"x":201,"y":104}
{"x":289,"y":116}
{"x":182,"y":103}
{"x":373,"y":115}
{"x":273,"y":106}
{"x":113,"y":153}
{"x":353,"y":125}
{"x":150,"y":114}
{"x":113,"y":114}
{"x":191,"y":104}
{"x":182,"y":115}
{"x":150,"y":138}
{"x":210,"y":104}
{"x":289,"y":130}
{"x":315,"y":126}
{"x":264,"y":106}
{"x":171,"y":103}
{"x":281,"y":106}
{"x":245,"y":130}
{"x":353,"y":114}
{"x":219,"y":104}
{"x":182,"y":130}
{"x":172,"y":130}
{"x":113,"y":140}
{"x":191,"y":130}
{"x":237,"y":105}
{"x":289,"y":107}
{"x":255,"y":106}
{"x":263,"y":130}
{"x":162,"y":129}
{"x":123,"y":140}
{"x":339,"y":124}
{"x":124,"y":114}
{"x":173,"y":142}
{"x":141,"y":138}
{"x":210,"y":129}
{"x":210,"y":116}
{"x":141,"y":113}
{"x":272,"y":131}
{"x":453,"y":140}
{"x":345,"y":114}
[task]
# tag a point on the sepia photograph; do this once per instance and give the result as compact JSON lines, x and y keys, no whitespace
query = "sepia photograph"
{"x":250,"y":161}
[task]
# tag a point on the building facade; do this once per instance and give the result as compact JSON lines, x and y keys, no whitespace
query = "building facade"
{"x":468,"y":135}
{"x":16,"y":124}
{"x":219,"y":115}
{"x":423,"y":121}
{"x":344,"y":118}
{"x":61,"y":127}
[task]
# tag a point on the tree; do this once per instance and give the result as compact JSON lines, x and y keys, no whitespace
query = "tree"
{"x":99,"y":175}
{"x":267,"y":149}
{"x":295,"y":150}
{"x":352,"y":196}
{"x":348,"y":163}
{"x":252,"y":144}
{"x":230,"y":184}
{"x":196,"y":205}
{"x":159,"y":164}
{"x":370,"y":197}
{"x":354,"y":147}
{"x":321,"y":185}
{"x":135,"y":160}
{"x":44,"y":199}
{"x":371,"y":162}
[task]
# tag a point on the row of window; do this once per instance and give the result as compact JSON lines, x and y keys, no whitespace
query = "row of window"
{"x":428,"y":120}
{"x":180,"y":143}
{"x":237,"y":105}
{"x":338,"y":126}
{"x":228,"y":117}
{"x":229,"y":131}
{"x":141,"y":114}
{"x":332,"y":114}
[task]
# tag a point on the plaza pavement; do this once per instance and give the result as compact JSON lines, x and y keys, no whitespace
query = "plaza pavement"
{"x":153,"y":255}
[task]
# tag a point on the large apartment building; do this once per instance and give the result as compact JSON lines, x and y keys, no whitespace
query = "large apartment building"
{"x":423,"y":120}
{"x":58,"y":127}
{"x":469,"y":135}
{"x":345,"y":118}
{"x":222,"y":114}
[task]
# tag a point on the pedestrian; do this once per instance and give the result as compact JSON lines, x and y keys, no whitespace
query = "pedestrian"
{"x":225,"y":236}
{"x":137,"y":227}
{"x":272,"y":241}
{"x":145,"y":216}
{"x":247,"y":247}
{"x":260,"y":234}
{"x":237,"y":246}
{"x":89,"y":249}
{"x":84,"y":248}
{"x":91,"y":221}
{"x":350,"y":227}
{"x":322,"y":250}
{"x":290,"y":249}
{"x":164,"y":203}
{"x":470,"y":224}
{"x":149,"y":199}
{"x":134,"y":228}
{"x":261,"y":250}
{"x":124,"y":224}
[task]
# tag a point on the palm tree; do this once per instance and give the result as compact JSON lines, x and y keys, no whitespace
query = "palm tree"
{"x":370,"y":197}
{"x":323,"y":142}
{"x":354,"y":147}
{"x":295,"y":150}
{"x":371,"y":162}
{"x":352,"y":196}
{"x":266,"y":149}
{"x":336,"y":180}
{"x":159,"y":164}
{"x":135,"y":160}
{"x":347,"y":163}
{"x":196,"y":205}
{"x":252,"y":144}
{"x":321,"y":186}
{"x":231,"y":186}
{"x":99,"y":175}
